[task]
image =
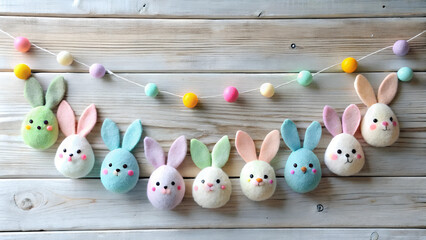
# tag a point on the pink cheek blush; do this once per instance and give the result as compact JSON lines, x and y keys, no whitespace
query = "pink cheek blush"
{"x":153,"y":189}
{"x":373,"y":127}
{"x":70,"y":159}
{"x":130,"y":172}
{"x":49,"y":128}
{"x":334,"y":156}
{"x":105,"y":171}
{"x":314,"y":170}
{"x":292,"y":171}
{"x":394,"y":123}
{"x":178,"y":187}
{"x":358,"y":156}
{"x":61,"y":155}
{"x":196,"y":188}
{"x":84,"y":157}
{"x":271,"y":181}
{"x":223,"y":187}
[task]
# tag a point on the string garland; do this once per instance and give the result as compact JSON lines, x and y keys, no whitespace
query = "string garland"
{"x":230,"y":94}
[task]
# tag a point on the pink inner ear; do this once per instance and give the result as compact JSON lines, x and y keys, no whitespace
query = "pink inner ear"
{"x":351,"y":119}
{"x":331,"y":121}
{"x":87,"y":120}
{"x":66,"y":118}
{"x":177,"y":152}
{"x":245,"y":146}
{"x":153,"y":152}
{"x":270,"y":146}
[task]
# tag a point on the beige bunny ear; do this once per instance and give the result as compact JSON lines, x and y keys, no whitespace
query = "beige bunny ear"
{"x":388,"y":88}
{"x":364,"y":90}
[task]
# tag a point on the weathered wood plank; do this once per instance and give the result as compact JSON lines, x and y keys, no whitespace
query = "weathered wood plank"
{"x":260,"y":234}
{"x":165,"y":118}
{"x":37,"y":204}
{"x":144,"y":45}
{"x":216,"y":9}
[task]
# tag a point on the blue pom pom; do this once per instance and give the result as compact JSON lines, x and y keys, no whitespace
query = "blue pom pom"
{"x":405,"y":74}
{"x":304,"y":78}
{"x":151,"y":90}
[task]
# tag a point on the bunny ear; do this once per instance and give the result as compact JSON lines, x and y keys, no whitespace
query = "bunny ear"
{"x":245,"y":146}
{"x":270,"y":146}
{"x":33,"y":92}
{"x":364,"y":90}
{"x":388,"y":88}
{"x":290,"y":135}
{"x":331,"y":120}
{"x":312,"y":135}
{"x":351,"y":119}
{"x":87,"y":120}
{"x":133,"y":135}
{"x":220,"y":152}
{"x":177,"y":152}
{"x":200,"y":154}
{"x":66,"y":118}
{"x":56,"y":92}
{"x":154,"y":153}
{"x":110,"y":134}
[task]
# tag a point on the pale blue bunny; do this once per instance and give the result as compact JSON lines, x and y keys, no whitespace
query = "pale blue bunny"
{"x":120,"y":170}
{"x":303,"y":170}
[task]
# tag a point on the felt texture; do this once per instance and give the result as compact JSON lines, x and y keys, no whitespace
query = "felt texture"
{"x":87,"y":120}
{"x":120,"y":170}
{"x":332,"y":121}
{"x":379,"y":127}
{"x":166,"y":187}
{"x":33,"y":92}
{"x":74,"y":157}
{"x":212,"y":187}
{"x":257,"y":178}
{"x":302,"y":171}
{"x":55,"y":92}
{"x":66,"y":118}
{"x":40,"y":138}
{"x":344,"y":155}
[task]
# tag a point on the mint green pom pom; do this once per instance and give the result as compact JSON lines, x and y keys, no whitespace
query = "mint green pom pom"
{"x":304,"y":78}
{"x":151,"y":90}
{"x":405,"y":74}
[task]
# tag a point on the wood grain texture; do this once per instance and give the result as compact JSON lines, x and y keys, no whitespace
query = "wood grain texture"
{"x":161,"y":45}
{"x":165,"y":118}
{"x":216,"y":9}
{"x":259,"y":234}
{"x":37,"y":204}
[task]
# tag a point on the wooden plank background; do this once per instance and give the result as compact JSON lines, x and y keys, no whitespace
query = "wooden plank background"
{"x":203,"y":47}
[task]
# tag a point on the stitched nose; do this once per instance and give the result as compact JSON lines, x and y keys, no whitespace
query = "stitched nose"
{"x":38,"y":127}
{"x":118,"y":170}
{"x":347,"y":155}
{"x":303,"y":169}
{"x":259,"y":180}
{"x":165,"y":187}
{"x":210,"y":184}
{"x":71,"y":154}
{"x":385,"y":123}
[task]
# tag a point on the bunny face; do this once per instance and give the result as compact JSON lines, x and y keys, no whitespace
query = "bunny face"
{"x":344,"y":155}
{"x":166,"y":188}
{"x":302,"y":170}
{"x":74,"y":157}
{"x":257,"y":179}
{"x":40,"y":127}
{"x":119,"y":171}
{"x":380,"y":126}
{"x":212,"y":188}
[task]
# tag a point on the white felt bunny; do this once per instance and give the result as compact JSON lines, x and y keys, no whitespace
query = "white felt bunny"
{"x":74,"y":157}
{"x":257,"y":177}
{"x":344,"y":155}
{"x":379,"y":126}
{"x":212,"y":187}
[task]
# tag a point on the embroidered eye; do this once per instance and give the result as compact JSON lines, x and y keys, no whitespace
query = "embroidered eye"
{"x":295,"y":165}
{"x":46,"y":122}
{"x":339,"y":151}
{"x":173,"y":183}
{"x":78,"y":151}
{"x":31,"y":121}
{"x":265,"y":177}
{"x":217,"y":180}
{"x":391,"y":119}
{"x":157,"y":183}
{"x":311,"y":165}
{"x":202,"y":181}
{"x":353,"y":151}
{"x":375,"y":120}
{"x":251,"y":176}
{"x":65,"y":150}
{"x":125,"y":166}
{"x":110,"y":164}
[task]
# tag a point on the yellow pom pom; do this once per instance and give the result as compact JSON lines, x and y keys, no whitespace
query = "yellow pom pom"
{"x":190,"y":100}
{"x":349,"y":65}
{"x":267,"y":90}
{"x":22,"y":71}
{"x":64,"y":58}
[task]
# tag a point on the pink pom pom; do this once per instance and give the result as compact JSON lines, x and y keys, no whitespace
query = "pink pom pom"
{"x":97,"y":70}
{"x":230,"y":94}
{"x":22,"y":44}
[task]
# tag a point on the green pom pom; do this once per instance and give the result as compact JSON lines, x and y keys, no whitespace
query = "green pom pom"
{"x":405,"y":74}
{"x":40,"y":128}
{"x":151,"y":90}
{"x":304,"y":78}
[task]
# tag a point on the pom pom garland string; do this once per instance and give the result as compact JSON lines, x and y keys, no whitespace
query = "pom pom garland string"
{"x":216,"y":95}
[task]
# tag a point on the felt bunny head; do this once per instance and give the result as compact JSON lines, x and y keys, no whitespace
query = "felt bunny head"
{"x":344,"y":155}
{"x":302,"y":170}
{"x":257,"y":177}
{"x":166,"y":187}
{"x":40,"y":127}
{"x":212,"y":187}
{"x":120,"y":170}
{"x":379,"y":126}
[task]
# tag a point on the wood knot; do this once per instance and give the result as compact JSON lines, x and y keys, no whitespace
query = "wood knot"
{"x":320,"y":207}
{"x":26,"y":201}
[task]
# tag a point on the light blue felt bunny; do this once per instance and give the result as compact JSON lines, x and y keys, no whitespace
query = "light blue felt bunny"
{"x":302,"y":171}
{"x":120,"y":170}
